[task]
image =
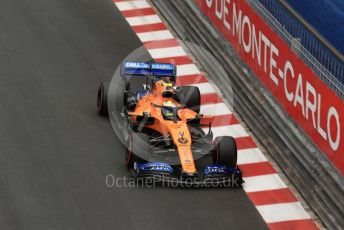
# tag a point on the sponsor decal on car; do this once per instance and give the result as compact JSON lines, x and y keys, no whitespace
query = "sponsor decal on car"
{"x":136,"y":65}
{"x":155,"y":166}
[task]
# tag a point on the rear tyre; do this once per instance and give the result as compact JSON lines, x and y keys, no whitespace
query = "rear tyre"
{"x":138,"y":149}
{"x":190,"y":96}
{"x":102,"y":98}
{"x":126,"y":94}
{"x":225,"y":152}
{"x":126,"y":84}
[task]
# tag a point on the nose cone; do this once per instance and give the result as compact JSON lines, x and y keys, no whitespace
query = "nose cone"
{"x":182,"y":139}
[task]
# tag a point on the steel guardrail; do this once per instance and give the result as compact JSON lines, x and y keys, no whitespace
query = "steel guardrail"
{"x":334,"y":78}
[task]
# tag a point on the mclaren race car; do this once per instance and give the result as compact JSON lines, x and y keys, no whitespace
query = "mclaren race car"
{"x":168,"y":139}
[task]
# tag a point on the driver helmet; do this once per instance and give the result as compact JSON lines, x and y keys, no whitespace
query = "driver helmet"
{"x":168,"y":91}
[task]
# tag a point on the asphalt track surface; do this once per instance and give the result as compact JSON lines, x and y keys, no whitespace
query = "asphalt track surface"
{"x":55,"y":151}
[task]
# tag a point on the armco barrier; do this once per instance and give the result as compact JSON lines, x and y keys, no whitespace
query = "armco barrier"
{"x":317,"y":180}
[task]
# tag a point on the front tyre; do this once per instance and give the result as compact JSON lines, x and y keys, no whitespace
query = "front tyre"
{"x":138,"y":149}
{"x":102,"y":99}
{"x":225,"y":152}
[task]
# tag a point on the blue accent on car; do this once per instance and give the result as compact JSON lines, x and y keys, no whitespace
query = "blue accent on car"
{"x":142,"y":93}
{"x":162,"y":66}
{"x":143,"y":68}
{"x":220,"y":169}
{"x":136,"y":65}
{"x":155,"y":167}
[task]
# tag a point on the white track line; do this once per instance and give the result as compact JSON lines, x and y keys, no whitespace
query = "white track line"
{"x":167,"y":52}
{"x":132,"y":5}
{"x":143,"y":20}
{"x":187,"y":69}
{"x":229,"y":130}
{"x":215,"y":109}
{"x":262,"y":183}
{"x":154,"y":35}
{"x":249,"y":156}
{"x":282,"y":212}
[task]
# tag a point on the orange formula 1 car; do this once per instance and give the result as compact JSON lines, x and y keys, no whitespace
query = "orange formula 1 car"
{"x":166,"y":139}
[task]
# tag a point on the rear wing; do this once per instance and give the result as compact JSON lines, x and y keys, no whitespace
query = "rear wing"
{"x":148,"y":69}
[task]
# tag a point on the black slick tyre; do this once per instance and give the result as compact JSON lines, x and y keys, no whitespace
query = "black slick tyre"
{"x":190,"y":96}
{"x":138,"y":148}
{"x":225,"y":152}
{"x":102,"y":99}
